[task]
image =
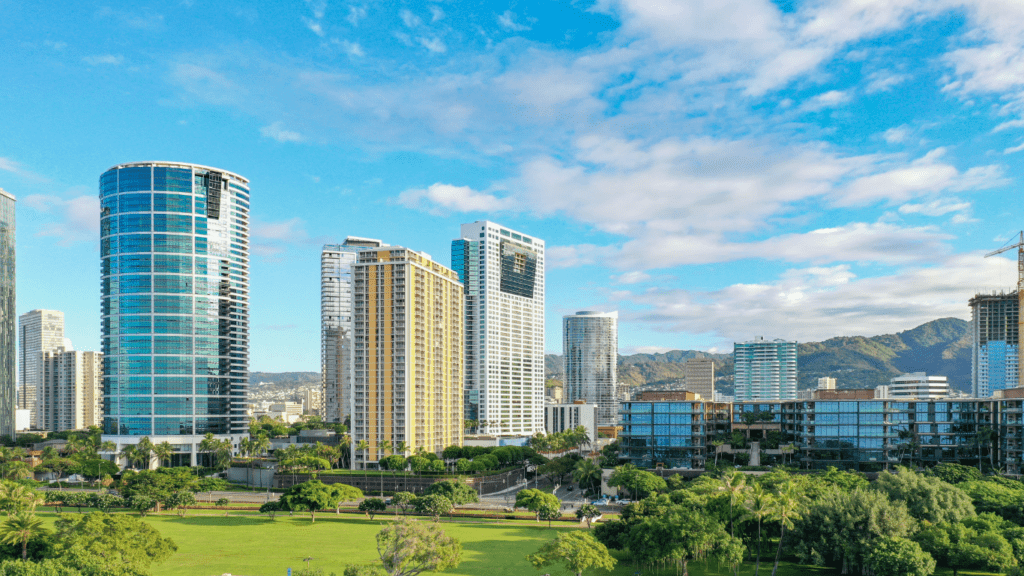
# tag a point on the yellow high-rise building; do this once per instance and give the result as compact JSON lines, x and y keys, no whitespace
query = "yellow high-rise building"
{"x":407,"y":313}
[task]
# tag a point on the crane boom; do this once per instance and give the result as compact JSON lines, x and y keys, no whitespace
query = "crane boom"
{"x":1020,"y":302}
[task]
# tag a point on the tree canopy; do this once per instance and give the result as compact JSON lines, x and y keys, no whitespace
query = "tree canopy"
{"x":407,"y":548}
{"x":577,"y":551}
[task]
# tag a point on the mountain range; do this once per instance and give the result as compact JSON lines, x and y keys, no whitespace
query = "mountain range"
{"x":940,"y":347}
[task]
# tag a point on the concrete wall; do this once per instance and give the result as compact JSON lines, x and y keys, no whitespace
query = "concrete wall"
{"x":374,"y":483}
{"x":258,"y":477}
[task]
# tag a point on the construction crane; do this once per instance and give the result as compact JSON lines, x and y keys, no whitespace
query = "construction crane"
{"x":1020,"y":302}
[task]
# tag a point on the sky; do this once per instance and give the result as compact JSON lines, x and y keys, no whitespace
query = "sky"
{"x":714,"y":170}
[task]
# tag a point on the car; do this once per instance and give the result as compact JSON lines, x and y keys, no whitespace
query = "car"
{"x":601,"y":502}
{"x":624,"y":501}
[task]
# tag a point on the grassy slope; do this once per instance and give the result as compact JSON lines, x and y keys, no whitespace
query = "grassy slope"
{"x":256,"y":546}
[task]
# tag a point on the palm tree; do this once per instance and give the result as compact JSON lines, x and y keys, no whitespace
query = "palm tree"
{"x":163,"y":452}
{"x":402,"y":447}
{"x":587,"y":474}
{"x":19,"y":529}
{"x":905,"y":437}
{"x":364,"y":447}
{"x":759,"y":505}
{"x":735,"y":483}
{"x":384,"y":448}
{"x":786,"y":507}
{"x":984,"y":437}
{"x":128,"y":453}
{"x":144,"y":451}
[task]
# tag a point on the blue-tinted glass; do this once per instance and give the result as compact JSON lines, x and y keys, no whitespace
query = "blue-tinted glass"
{"x":873,"y":418}
{"x":173,"y":325}
{"x":641,"y":418}
{"x":827,"y":430}
{"x":201,"y":246}
{"x":641,"y":430}
{"x":108,"y":226}
{"x":211,"y":425}
{"x":136,"y":345}
{"x":172,"y":179}
{"x":108,"y":246}
{"x":136,"y":365}
{"x":109,"y":424}
{"x":826,"y":407}
{"x":848,"y":406}
{"x":172,"y":263}
{"x":213,"y":386}
{"x":172,"y":365}
{"x":207,"y":346}
{"x":681,"y":419}
{"x":108,"y":183}
{"x":173,"y":304}
{"x":172,"y":244}
{"x":208,"y":366}
{"x":171,"y":203}
{"x":661,"y":430}
{"x":172,"y":385}
{"x":173,"y":426}
{"x":134,"y":243}
{"x":172,"y":223}
{"x":172,"y":284}
{"x":660,"y":418}
{"x":135,"y":305}
{"x":135,"y":426}
{"x":135,"y":263}
{"x":847,"y":418}
{"x":133,"y":284}
{"x":134,"y":179}
{"x":172,"y":405}
{"x":136,"y":385}
{"x":141,"y":202}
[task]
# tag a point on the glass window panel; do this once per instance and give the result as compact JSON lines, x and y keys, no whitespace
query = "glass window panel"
{"x":172,"y":203}
{"x":211,"y":425}
{"x":173,"y":325}
{"x":136,"y":365}
{"x":660,"y":418}
{"x":173,"y":426}
{"x":208,"y":366}
{"x":134,"y":203}
{"x":172,"y":385}
{"x":135,"y":305}
{"x":136,"y":324}
{"x":133,"y":179}
{"x":128,"y":243}
{"x":172,"y":405}
{"x":172,"y":244}
{"x":172,"y":345}
{"x":172,"y":304}
{"x":136,"y":345}
{"x":172,"y":223}
{"x":172,"y":264}
{"x":172,"y":179}
{"x":134,"y":223}
{"x":135,"y":263}
{"x":172,"y":284}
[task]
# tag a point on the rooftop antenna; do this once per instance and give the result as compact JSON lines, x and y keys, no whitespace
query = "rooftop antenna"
{"x":1020,"y":301}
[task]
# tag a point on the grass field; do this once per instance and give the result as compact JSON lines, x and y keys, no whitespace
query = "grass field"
{"x":251,"y":545}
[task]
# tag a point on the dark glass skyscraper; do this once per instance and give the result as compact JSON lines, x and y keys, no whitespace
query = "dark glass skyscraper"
{"x":8,"y":317}
{"x":175,"y":303}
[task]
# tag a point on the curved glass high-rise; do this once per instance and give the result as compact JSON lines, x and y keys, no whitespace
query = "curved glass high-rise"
{"x":175,"y":304}
{"x":591,"y":348}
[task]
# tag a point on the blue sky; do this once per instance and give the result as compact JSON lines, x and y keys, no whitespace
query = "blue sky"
{"x":714,"y":170}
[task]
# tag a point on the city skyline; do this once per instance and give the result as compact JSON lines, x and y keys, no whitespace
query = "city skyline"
{"x":803,"y":167}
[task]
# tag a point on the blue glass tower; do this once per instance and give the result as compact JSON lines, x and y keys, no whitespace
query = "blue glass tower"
{"x":8,"y":320}
{"x":175,"y":304}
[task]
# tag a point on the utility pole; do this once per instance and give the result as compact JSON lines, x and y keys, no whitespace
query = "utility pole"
{"x":1020,"y":302}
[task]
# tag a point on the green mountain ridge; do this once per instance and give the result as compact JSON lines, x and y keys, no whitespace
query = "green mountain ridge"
{"x":940,"y":347}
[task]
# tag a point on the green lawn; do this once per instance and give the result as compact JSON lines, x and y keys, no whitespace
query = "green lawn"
{"x":251,"y":545}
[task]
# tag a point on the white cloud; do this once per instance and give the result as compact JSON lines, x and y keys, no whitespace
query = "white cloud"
{"x":829,"y":99}
{"x":291,"y":230}
{"x":923,"y":176}
{"x":883,"y":81}
{"x":355,"y":14}
{"x":409,"y":19}
{"x":452,"y":198}
{"x":76,"y":219}
{"x":315,"y":26}
{"x":1013,"y":149}
{"x":436,"y":14}
{"x":318,"y":7}
{"x":278,"y":132}
{"x":507,"y":20}
{"x":634,"y":277}
{"x":936,"y":207}
{"x":433,"y":44}
{"x":812,"y":304}
{"x":104,"y":59}
{"x":350,"y":48}
{"x":896,"y":135}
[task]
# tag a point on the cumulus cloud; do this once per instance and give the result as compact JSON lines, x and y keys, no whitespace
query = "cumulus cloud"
{"x":70,"y":220}
{"x":925,"y":175}
{"x":896,"y":135}
{"x":445,"y":197}
{"x":810,"y":304}
{"x":507,"y":20}
{"x":936,"y":207}
{"x":829,"y":99}
{"x":278,"y":132}
{"x":883,"y":81}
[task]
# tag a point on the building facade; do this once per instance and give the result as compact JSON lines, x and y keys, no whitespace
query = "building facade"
{"x":39,"y":331}
{"x":175,"y":304}
{"x":591,"y":355}
{"x":765,"y":370}
{"x":71,"y":390}
{"x":918,"y":385}
{"x":700,"y":377}
{"x":994,"y":335}
{"x":8,"y":324}
{"x":406,"y":355}
{"x":336,"y":262}
{"x":865,"y":434}
{"x":502,"y":273}
{"x":562,"y":417}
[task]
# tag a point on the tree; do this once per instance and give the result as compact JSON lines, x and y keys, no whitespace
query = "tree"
{"x":733,"y":483}
{"x":587,"y":475}
{"x":402,"y":500}
{"x":1005,"y":498}
{"x":899,"y":557}
{"x":180,"y":500}
{"x":345,"y":493}
{"x":639,"y":483}
{"x":759,"y":505}
{"x":786,"y":507}
{"x":393,"y":462}
{"x":104,"y":502}
{"x":407,"y":548}
{"x":958,"y":546}
{"x":312,"y":495}
{"x":272,"y":508}
{"x":141,"y":504}
{"x":364,"y":447}
{"x":458,"y":492}
{"x":372,"y":506}
{"x":363,"y":570}
{"x":587,"y":513}
{"x":550,"y":511}
{"x":20,"y":528}
{"x":535,"y":500}
{"x":927,"y":497}
{"x":219,"y":450}
{"x":681,"y":535}
{"x":578,"y":551}
{"x":114,"y":544}
{"x":163,"y":452}
{"x":955,"y":473}
{"x":432,"y":505}
{"x":222,"y":502}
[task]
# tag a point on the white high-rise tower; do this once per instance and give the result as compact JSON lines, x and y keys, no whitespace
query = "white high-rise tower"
{"x":39,"y":331}
{"x":502,"y":272}
{"x":336,"y":262}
